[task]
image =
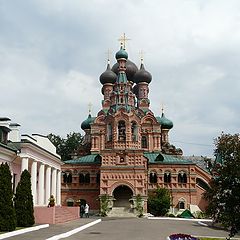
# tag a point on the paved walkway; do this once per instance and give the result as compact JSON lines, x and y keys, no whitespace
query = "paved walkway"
{"x":123,"y":228}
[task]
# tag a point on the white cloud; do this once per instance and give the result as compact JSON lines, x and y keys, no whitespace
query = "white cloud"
{"x":52,"y":53}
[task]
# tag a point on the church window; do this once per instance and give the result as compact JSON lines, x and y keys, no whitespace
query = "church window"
{"x":167,"y":177}
{"x":144,"y":142}
{"x":182,"y":177}
{"x":81,"y":178}
{"x":84,"y":178}
{"x":134,"y":131}
{"x":67,"y":177}
{"x":87,"y":178}
{"x":109,"y":132}
{"x":121,"y":131}
{"x":153,"y":177}
{"x":98,"y":178}
{"x":181,"y":205}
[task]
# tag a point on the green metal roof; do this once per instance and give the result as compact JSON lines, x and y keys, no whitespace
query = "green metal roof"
{"x":88,"y":159}
{"x":9,"y":147}
{"x":165,"y":159}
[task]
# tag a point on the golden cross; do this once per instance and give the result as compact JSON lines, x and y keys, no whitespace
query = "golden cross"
{"x":162,"y":108}
{"x":89,"y":108}
{"x":141,"y":53}
{"x":109,"y":52}
{"x":123,"y":40}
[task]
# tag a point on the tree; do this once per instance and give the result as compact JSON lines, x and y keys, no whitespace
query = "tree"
{"x":224,"y":192}
{"x":7,"y":213}
{"x":24,"y":201}
{"x":66,"y":146}
{"x":159,"y":202}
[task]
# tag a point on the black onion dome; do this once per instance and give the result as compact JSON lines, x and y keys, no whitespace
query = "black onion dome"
{"x":108,"y":76}
{"x":131,"y":69}
{"x":142,"y":75}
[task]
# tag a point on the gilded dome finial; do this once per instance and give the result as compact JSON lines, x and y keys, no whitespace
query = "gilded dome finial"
{"x":141,"y":53}
{"x":123,"y":40}
{"x":89,"y":108}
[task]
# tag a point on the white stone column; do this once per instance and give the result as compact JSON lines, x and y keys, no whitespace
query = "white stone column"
{"x":59,"y":187}
{"x":48,"y":185}
{"x":54,"y":182}
{"x":34,"y":181}
{"x":41,"y":185}
{"x":24,"y":164}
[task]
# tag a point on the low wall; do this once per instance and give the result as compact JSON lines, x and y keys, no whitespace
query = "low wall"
{"x":44,"y":215}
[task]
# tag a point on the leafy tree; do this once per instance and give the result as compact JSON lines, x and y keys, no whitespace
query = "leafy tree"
{"x":159,"y":202}
{"x":224,"y":192}
{"x":24,"y":201}
{"x":66,"y":146}
{"x":7,"y":213}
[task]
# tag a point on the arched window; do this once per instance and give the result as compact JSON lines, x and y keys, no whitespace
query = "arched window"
{"x":67,"y":177}
{"x":81,"y":178}
{"x":98,"y":178}
{"x":167,"y":177}
{"x":109,"y":132}
{"x":182,"y":177}
{"x":144,"y":142}
{"x":121,"y":131}
{"x":153,"y":177}
{"x":84,"y":178}
{"x":134,"y":131}
{"x":181,"y":205}
{"x":87,"y":178}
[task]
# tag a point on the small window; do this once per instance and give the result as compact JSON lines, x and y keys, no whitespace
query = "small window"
{"x":98,"y":178}
{"x":67,"y":177}
{"x":121,"y":131}
{"x":87,"y":178}
{"x":81,"y":178}
{"x":182,"y":177}
{"x":167,"y":177}
{"x":153,"y":177}
{"x":181,"y":205}
{"x":144,"y":142}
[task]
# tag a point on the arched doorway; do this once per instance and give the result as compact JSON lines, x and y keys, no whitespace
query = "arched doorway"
{"x":122,"y":194}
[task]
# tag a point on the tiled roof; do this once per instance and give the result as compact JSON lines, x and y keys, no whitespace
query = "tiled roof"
{"x":88,"y":159}
{"x":165,"y":159}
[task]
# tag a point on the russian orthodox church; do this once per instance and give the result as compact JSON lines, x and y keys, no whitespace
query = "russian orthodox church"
{"x":126,"y":151}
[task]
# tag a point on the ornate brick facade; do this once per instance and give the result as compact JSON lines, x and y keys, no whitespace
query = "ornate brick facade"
{"x":129,"y":150}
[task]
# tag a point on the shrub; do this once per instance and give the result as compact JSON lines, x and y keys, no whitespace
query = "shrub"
{"x":24,"y":201}
{"x":7,"y":212}
{"x":104,"y":205}
{"x":159,"y":202}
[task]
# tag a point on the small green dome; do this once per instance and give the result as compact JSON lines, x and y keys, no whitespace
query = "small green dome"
{"x":121,"y":54}
{"x":86,"y":123}
{"x":165,"y":123}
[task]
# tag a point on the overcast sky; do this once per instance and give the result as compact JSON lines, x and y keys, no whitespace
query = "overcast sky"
{"x":53,"y":52}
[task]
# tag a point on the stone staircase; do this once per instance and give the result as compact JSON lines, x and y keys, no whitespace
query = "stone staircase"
{"x":65,"y":214}
{"x":121,"y":212}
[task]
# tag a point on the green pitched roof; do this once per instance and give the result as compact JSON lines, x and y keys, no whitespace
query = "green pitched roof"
{"x":165,"y":159}
{"x":88,"y":159}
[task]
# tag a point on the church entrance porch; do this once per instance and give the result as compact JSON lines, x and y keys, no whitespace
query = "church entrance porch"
{"x":122,"y":194}
{"x":122,"y":206}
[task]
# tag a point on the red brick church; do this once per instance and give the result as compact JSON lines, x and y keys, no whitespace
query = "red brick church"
{"x":126,"y":150}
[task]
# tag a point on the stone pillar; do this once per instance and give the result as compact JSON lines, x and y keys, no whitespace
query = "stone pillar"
{"x":48,"y":185}
{"x":41,"y":185}
{"x":34,"y":181}
{"x":54,"y":182}
{"x":58,"y":202}
{"x":24,"y":164}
